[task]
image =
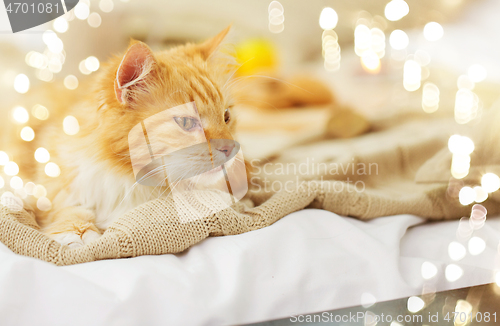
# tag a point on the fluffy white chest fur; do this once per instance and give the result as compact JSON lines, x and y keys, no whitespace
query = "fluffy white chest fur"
{"x":106,"y":193}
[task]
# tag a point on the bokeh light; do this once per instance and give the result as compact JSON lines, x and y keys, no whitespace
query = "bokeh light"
{"x":460,"y":165}
{"x":21,"y":83}
{"x":53,"y":42}
{"x":16,"y":182}
{"x":490,"y":182}
{"x":36,"y":60}
{"x":29,"y":187}
{"x":82,"y":10}
{"x":466,"y":195}
{"x":43,"y":204}
{"x":433,"y":31}
{"x":52,"y":169}
{"x":481,"y":194}
{"x":477,"y":73}
{"x":328,"y":18}
{"x":11,"y":168}
{"x":70,"y":125}
{"x":460,"y":145}
{"x":44,"y":74}
{"x":415,"y":304}
{"x":412,"y":75}
{"x":276,"y":17}
{"x":370,"y":61}
{"x":92,"y":63}
{"x":428,"y":270}
{"x":40,"y":112}
{"x":83,"y":68}
{"x":39,"y":191}
{"x":4,"y":158}
{"x":106,"y":5}
{"x":453,"y":272}
{"x":399,"y":40}
{"x":463,"y":310}
{"x":456,"y":251}
{"x":476,"y":246}
{"x":20,"y":114}
{"x":477,"y":217}
{"x":94,"y":20}
{"x":60,"y":24}
{"x":27,"y":134}
{"x":71,"y":82}
{"x":42,"y":155}
{"x":430,"y":98}
{"x":396,"y":9}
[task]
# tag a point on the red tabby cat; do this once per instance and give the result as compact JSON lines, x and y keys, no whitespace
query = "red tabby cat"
{"x":97,"y":183}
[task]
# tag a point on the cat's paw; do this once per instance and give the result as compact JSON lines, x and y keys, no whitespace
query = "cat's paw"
{"x":75,"y":240}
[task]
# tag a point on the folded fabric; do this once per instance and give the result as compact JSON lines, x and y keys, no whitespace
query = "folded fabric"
{"x":155,"y":228}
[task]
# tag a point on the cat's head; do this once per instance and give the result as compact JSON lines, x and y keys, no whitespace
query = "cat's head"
{"x":143,"y":85}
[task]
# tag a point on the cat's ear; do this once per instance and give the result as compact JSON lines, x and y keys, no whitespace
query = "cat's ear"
{"x":210,"y":46}
{"x":136,"y":64}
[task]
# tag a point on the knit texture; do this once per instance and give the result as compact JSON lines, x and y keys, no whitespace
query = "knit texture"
{"x":156,"y":228}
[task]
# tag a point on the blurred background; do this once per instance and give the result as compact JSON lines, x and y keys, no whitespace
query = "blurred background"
{"x":375,"y":58}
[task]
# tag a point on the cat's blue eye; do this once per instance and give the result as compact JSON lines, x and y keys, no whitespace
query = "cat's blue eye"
{"x":186,"y":123}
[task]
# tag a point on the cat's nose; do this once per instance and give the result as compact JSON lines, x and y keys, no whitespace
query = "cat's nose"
{"x":227,"y":149}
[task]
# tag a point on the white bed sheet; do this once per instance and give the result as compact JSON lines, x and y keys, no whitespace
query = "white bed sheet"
{"x":309,"y":261}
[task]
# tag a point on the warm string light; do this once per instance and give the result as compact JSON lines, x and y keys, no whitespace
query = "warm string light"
{"x":82,"y":10}
{"x":40,"y":112}
{"x":94,"y":20}
{"x":428,"y":270}
{"x":20,"y":115}
{"x":27,"y":134}
{"x":369,"y":43}
{"x":477,"y":73}
{"x":53,"y":42}
{"x":21,"y":83}
{"x":60,"y":25}
{"x":52,"y":170}
{"x":433,"y":31}
{"x":412,"y":75}
{"x":276,"y":17}
{"x":396,"y":9}
{"x":92,"y":64}
{"x":42,"y":155}
{"x":11,"y":168}
{"x":70,"y":125}
{"x":461,"y":147}
{"x":328,"y":20}
{"x":453,"y":272}
{"x":415,"y":304}
{"x":399,"y":40}
{"x":467,"y":103}
{"x":48,"y":63}
{"x":106,"y":5}
{"x":463,"y":309}
{"x":430,"y":98}
{"x":4,"y":158}
{"x":71,"y":82}
{"x":51,"y":61}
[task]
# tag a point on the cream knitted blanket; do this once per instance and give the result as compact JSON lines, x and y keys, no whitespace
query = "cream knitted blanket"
{"x":394,"y":155}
